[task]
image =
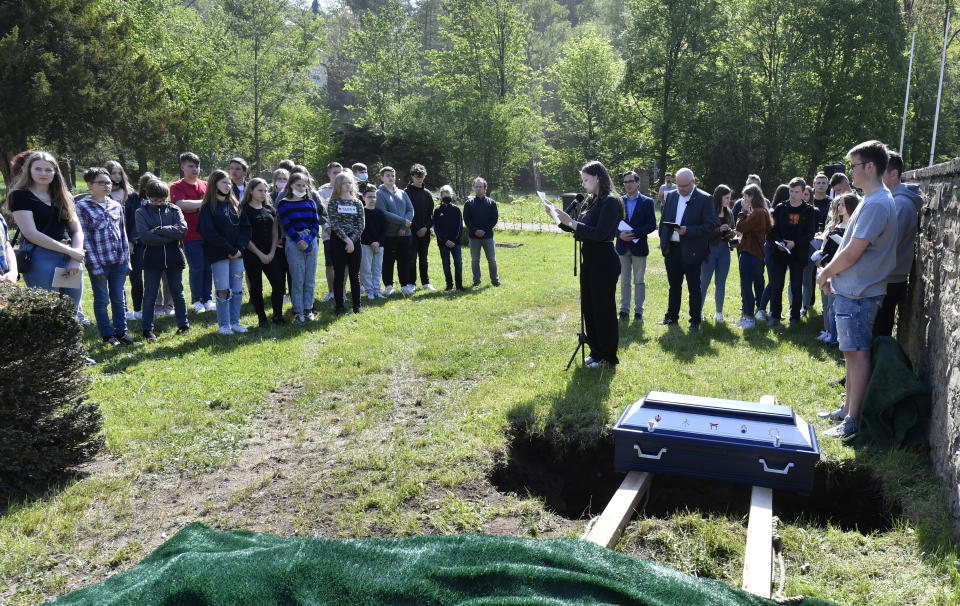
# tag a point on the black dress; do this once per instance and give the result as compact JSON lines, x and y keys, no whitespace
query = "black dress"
{"x":599,"y":274}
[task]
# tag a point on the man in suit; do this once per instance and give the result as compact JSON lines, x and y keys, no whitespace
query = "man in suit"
{"x":633,"y":255}
{"x":687,"y":220}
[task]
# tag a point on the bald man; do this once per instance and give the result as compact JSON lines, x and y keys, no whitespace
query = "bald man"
{"x":686,"y":222}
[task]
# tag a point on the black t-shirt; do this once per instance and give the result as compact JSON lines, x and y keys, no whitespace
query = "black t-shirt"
{"x":45,"y":217}
{"x":261,"y":223}
{"x":823,"y":210}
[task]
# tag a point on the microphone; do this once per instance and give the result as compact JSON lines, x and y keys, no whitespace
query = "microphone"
{"x":574,"y":209}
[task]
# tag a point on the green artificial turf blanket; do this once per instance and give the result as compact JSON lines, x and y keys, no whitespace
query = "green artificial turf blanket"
{"x":896,"y":404}
{"x":201,"y":566}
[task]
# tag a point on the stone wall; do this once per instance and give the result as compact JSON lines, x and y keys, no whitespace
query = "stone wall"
{"x":930,"y":330}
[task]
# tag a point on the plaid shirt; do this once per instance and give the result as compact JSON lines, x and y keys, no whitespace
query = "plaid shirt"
{"x":104,"y":236}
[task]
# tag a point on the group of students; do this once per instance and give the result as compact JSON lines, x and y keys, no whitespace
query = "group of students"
{"x":228,"y":231}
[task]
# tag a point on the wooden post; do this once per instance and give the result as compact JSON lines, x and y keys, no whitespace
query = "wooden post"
{"x":608,"y":527}
{"x":758,"y":556}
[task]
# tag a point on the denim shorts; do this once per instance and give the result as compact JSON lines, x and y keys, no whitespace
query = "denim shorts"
{"x":855,"y":319}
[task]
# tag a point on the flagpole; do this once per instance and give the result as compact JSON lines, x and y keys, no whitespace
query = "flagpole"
{"x":906,"y":101}
{"x":943,"y":62}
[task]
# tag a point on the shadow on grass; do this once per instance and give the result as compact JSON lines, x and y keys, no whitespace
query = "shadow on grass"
{"x":22,"y":497}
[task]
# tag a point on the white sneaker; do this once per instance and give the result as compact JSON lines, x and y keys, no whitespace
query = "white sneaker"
{"x":238,"y":328}
{"x":380,"y":295}
{"x":719,"y":318}
{"x":137,"y":315}
{"x":329,"y":297}
{"x":168,"y":310}
{"x":429,"y":287}
{"x":130,"y":315}
{"x":210,"y":305}
{"x":762,"y":316}
{"x":747,"y":323}
{"x":407,"y":290}
{"x":412,"y":288}
{"x":823,"y":335}
{"x":226,"y":330}
{"x":199,"y":307}
{"x":388,"y":290}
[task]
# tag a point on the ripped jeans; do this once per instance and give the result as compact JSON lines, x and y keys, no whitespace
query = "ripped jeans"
{"x":228,"y":276}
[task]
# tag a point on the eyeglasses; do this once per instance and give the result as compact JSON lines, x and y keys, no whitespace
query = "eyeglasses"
{"x":852,"y":164}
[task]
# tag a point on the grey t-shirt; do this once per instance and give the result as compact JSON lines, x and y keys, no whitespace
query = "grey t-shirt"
{"x":875,"y":221}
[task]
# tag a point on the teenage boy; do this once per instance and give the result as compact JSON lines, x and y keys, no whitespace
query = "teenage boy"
{"x":238,"y":176}
{"x":907,"y":202}
{"x":821,"y":203}
{"x":422,"y":200}
{"x":794,"y":225}
{"x":187,"y":194}
{"x":839,"y":184}
{"x":857,"y":276}
{"x":360,"y":173}
{"x":108,"y":254}
{"x":398,"y":212}
{"x":480,"y":215}
{"x":633,"y":255}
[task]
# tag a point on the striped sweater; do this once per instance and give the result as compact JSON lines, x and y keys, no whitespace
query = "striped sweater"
{"x":299,"y":220}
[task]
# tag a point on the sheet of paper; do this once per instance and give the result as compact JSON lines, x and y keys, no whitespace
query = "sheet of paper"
{"x":783,"y":247}
{"x":624,"y":226}
{"x":550,"y":207}
{"x":836,"y":238}
{"x":62,"y":280}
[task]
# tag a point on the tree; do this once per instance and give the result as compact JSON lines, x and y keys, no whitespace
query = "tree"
{"x":58,"y":63}
{"x":388,"y":53}
{"x":485,"y":93}
{"x":671,"y":59}
{"x":275,"y":44}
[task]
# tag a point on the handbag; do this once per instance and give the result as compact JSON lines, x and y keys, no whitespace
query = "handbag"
{"x":24,"y":252}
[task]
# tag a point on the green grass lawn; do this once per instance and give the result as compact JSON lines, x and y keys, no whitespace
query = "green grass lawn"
{"x":405,"y":420}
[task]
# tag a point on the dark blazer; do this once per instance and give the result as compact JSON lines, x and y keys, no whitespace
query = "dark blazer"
{"x":700,"y":219}
{"x":643,"y":221}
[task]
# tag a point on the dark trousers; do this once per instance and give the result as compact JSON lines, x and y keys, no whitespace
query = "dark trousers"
{"x":896,"y":293}
{"x":275,"y":274}
{"x":419,"y":251}
{"x":677,"y":270}
{"x":779,"y":263}
{"x":136,"y":276}
{"x":598,"y":287}
{"x":343,"y":262}
{"x":751,"y":283}
{"x":396,"y":248}
{"x":457,"y":253}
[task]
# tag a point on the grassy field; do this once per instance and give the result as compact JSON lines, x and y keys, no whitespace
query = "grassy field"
{"x":448,"y":413}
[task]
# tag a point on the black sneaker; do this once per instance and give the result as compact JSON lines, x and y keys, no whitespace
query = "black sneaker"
{"x":694,"y":328}
{"x":125,"y":339}
{"x":111,"y":340}
{"x":496,"y":283}
{"x":358,"y":310}
{"x":667,"y":321}
{"x":476,"y":283}
{"x":264,"y":323}
{"x":182,"y":329}
{"x":638,"y":318}
{"x":149,"y":336}
{"x":623,"y":316}
{"x":339,"y":311}
{"x":279,"y":321}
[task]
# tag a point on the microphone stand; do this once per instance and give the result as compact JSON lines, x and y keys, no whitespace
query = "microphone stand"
{"x":574,"y":211}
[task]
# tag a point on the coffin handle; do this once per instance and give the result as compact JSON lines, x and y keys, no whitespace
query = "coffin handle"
{"x":655,"y":457}
{"x":782,"y":472}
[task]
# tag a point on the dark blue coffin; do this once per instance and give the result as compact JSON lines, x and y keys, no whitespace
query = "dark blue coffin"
{"x":749,"y":442}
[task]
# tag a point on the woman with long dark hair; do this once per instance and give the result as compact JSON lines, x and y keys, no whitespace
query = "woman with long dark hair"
{"x":226,"y":232}
{"x":595,"y":228}
{"x":753,"y":223}
{"x":260,"y":257}
{"x":717,"y":262}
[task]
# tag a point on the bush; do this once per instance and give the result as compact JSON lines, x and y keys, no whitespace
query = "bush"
{"x":46,"y":425}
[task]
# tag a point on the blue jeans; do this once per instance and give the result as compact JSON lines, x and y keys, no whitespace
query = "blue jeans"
{"x":201,"y":276}
{"x":371,"y":265}
{"x":44,"y":263}
{"x":751,"y":283}
{"x":151,"y":290}
{"x":109,"y":290}
{"x":303,"y":276}
{"x":717,"y":262}
{"x":228,"y":276}
{"x":457,"y":253}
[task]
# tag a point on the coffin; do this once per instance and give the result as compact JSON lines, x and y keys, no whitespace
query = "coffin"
{"x":748,"y":442}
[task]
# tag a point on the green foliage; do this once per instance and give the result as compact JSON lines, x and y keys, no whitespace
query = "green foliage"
{"x":389,"y":60}
{"x":46,"y":426}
